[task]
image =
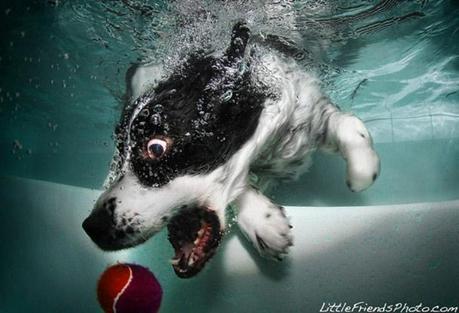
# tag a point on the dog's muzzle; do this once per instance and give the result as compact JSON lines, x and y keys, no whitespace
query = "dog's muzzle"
{"x":101,"y":228}
{"x":195,"y":234}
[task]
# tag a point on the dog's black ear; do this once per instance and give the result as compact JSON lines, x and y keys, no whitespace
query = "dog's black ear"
{"x":239,"y":38}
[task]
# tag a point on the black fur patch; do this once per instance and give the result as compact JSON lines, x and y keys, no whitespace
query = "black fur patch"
{"x":208,"y":108}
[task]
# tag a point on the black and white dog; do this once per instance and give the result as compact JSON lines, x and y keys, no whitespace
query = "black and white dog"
{"x":212,"y":134}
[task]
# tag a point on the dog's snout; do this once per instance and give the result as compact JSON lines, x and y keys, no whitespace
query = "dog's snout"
{"x":100,"y":224}
{"x":97,"y":224}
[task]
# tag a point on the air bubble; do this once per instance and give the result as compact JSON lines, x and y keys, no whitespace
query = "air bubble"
{"x":155,"y":119}
{"x":227,"y":95}
{"x":242,"y":68}
{"x":158,"y":108}
{"x":145,"y":113}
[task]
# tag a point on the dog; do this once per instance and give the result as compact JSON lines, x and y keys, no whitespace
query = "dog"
{"x":213,"y":133}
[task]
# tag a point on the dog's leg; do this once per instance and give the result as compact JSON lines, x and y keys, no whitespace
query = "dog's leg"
{"x":348,"y":135}
{"x":264,"y":224}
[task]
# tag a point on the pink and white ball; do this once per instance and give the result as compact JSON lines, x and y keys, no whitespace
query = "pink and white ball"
{"x":129,"y":288}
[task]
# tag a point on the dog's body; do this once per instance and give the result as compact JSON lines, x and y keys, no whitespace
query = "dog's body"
{"x":265,"y":116}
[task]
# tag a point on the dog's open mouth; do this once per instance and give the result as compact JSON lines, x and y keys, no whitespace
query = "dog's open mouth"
{"x":195,"y":234}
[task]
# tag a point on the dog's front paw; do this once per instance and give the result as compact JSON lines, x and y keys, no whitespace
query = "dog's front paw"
{"x":362,"y":168}
{"x":265,"y":225}
{"x":356,"y":146}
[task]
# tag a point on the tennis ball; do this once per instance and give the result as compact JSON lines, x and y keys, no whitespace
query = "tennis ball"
{"x":129,"y":288}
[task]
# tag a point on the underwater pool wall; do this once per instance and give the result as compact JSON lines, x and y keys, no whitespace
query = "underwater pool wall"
{"x":376,"y":254}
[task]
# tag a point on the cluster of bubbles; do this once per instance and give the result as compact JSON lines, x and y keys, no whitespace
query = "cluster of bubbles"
{"x":167,"y":31}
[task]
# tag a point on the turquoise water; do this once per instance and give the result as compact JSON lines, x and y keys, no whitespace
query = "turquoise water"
{"x":63,"y":71}
{"x":395,"y":64}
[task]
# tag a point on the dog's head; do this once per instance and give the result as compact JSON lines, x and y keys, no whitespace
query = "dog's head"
{"x":177,"y":145}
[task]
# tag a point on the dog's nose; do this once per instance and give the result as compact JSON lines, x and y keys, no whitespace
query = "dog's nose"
{"x":98,"y":225}
{"x":102,"y":228}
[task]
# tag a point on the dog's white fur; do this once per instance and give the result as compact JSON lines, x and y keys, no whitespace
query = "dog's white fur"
{"x":280,"y":146}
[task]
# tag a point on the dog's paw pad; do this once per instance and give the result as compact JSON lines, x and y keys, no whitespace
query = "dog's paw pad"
{"x":270,"y":233}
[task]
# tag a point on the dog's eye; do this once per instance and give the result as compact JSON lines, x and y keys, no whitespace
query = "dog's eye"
{"x":156,"y":148}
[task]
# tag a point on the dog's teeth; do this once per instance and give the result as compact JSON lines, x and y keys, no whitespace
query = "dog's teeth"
{"x":174,"y":261}
{"x":196,"y":241}
{"x":200,"y":232}
{"x":191,"y":261}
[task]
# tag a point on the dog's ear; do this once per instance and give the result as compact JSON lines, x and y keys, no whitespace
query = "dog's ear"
{"x":239,"y":38}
